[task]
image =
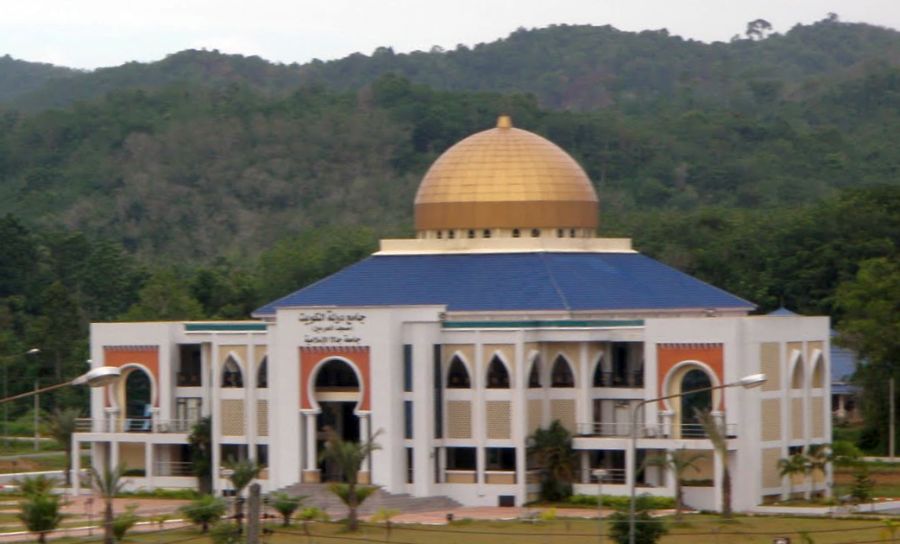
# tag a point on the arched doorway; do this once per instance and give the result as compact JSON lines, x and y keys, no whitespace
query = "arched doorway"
{"x":337,"y":391}
{"x":692,"y":403}
{"x":138,"y":401}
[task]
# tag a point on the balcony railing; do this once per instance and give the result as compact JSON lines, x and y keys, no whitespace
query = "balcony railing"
{"x":173,"y":468}
{"x":620,"y":379}
{"x":134,"y":425}
{"x":612,"y":476}
{"x":649,"y":430}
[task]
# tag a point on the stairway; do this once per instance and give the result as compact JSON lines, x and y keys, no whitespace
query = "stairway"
{"x":319,"y":495}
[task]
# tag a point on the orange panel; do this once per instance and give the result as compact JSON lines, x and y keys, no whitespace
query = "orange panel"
{"x":148,"y":356}
{"x":669,"y":355}
{"x":310,"y":357}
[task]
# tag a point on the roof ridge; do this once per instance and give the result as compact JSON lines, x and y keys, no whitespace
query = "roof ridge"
{"x":556,"y":287}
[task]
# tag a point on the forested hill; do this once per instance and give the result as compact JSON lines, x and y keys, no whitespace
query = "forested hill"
{"x":19,"y":78}
{"x":571,"y":67}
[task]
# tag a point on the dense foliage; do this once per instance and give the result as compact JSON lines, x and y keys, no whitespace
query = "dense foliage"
{"x":205,"y":185}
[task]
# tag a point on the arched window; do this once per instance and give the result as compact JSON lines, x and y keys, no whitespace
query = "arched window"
{"x":797,"y":376}
{"x":336,"y":375}
{"x":458,"y":376}
{"x":262,"y":374}
{"x":534,"y":377}
{"x":600,"y":377}
{"x":562,"y":373}
{"x":231,"y":374}
{"x":138,"y":400}
{"x":497,"y":376}
{"x":694,"y":403}
{"x":818,"y":377}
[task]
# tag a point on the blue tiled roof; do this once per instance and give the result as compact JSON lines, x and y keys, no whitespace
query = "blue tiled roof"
{"x":512,"y":281}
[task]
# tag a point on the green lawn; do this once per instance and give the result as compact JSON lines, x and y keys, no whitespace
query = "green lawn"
{"x":698,"y":529}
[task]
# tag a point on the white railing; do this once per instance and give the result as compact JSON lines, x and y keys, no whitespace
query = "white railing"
{"x":134,"y":425}
{"x":649,"y":430}
{"x":173,"y":468}
{"x":610,"y":476}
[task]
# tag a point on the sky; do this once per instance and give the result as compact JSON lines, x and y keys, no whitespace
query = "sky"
{"x":95,"y":33}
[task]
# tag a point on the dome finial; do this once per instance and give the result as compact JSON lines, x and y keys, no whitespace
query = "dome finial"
{"x":504,"y":121}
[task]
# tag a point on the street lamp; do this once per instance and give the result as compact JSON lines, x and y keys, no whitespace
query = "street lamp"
{"x":32,"y":351}
{"x":747,"y":382}
{"x":97,"y":377}
{"x":599,"y":473}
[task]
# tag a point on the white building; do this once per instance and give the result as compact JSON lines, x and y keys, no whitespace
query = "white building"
{"x":504,"y":314}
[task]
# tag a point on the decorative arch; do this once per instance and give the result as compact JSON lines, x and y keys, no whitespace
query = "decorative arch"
{"x":458,"y":374}
{"x":336,"y":375}
{"x":119,"y":391}
{"x":687,"y":376}
{"x":497,"y":374}
{"x":672,"y":385}
{"x":535,"y":380}
{"x":798,"y":376}
{"x":262,"y":373}
{"x":232,"y":375}
{"x":312,"y":358}
{"x":817,"y":377}
{"x":562,"y":374}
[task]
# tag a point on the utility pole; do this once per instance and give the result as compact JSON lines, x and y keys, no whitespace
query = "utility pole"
{"x":253,"y":515}
{"x":891,"y":419}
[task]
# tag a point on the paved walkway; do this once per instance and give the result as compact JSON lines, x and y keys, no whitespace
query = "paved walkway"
{"x":495,"y":513}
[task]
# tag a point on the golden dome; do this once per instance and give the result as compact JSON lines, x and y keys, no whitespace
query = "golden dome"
{"x":505,"y":178}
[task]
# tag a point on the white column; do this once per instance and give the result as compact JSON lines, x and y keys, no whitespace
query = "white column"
{"x":250,"y":399}
{"x":629,"y":467}
{"x":149,"y":472}
{"x":519,"y":415}
{"x":583,"y":408}
{"x":113,"y":453}
{"x":364,"y":437}
{"x":76,"y":466}
{"x":311,"y":452}
{"x":478,"y":412}
{"x":216,"y":415}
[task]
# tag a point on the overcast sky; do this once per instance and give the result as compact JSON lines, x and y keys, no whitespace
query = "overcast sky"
{"x":93,"y":33}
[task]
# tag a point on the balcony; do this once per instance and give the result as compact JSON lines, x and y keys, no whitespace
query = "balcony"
{"x":133,"y":425}
{"x":649,"y":430}
{"x":619,"y":379}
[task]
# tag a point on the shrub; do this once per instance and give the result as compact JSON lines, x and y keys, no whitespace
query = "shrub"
{"x":124,"y":522}
{"x":205,"y":511}
{"x":621,"y":502}
{"x":648,"y":530}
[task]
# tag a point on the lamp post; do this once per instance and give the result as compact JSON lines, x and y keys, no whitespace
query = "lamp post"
{"x":97,"y":377}
{"x":32,"y":351}
{"x":599,"y":473}
{"x":747,"y":382}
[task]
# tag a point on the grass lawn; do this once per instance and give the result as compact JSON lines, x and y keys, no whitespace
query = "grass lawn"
{"x":55,"y":461}
{"x":885,"y":475}
{"x":697,"y":529}
{"x":19,"y":446}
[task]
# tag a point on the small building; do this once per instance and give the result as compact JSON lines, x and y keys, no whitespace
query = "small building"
{"x":505,"y":313}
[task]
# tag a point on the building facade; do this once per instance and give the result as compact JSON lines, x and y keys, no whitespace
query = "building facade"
{"x":505,"y":313}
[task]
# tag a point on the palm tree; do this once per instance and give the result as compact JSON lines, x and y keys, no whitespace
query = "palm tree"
{"x":35,"y":485}
{"x":286,"y":505}
{"x":40,"y":514}
{"x":678,"y":462}
{"x":719,"y":438}
{"x":61,"y":426}
{"x":243,"y":472}
{"x":205,"y":511}
{"x":817,"y":458}
{"x":201,"y":454}
{"x":349,"y":458}
{"x":791,"y":466}
{"x":552,"y":450}
{"x":109,"y":484}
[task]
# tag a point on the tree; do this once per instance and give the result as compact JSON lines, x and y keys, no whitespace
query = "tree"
{"x":648,"y":529}
{"x":790,"y":467}
{"x":285,"y":505}
{"x":678,"y":462}
{"x":62,"y":425}
{"x":758,"y":29}
{"x":201,"y":454}
{"x":385,"y":515}
{"x":40,"y":514}
{"x":164,"y":298}
{"x":817,"y":458}
{"x":109,"y":483}
{"x":309,"y":515}
{"x":243,"y":472}
{"x":35,"y":485}
{"x":124,"y":522}
{"x":205,"y":511}
{"x":349,"y":458}
{"x":719,"y":438}
{"x":552,"y":450}
{"x":870,"y":303}
{"x":861,"y":490}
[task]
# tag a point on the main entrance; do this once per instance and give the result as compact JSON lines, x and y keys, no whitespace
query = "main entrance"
{"x":337,"y":393}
